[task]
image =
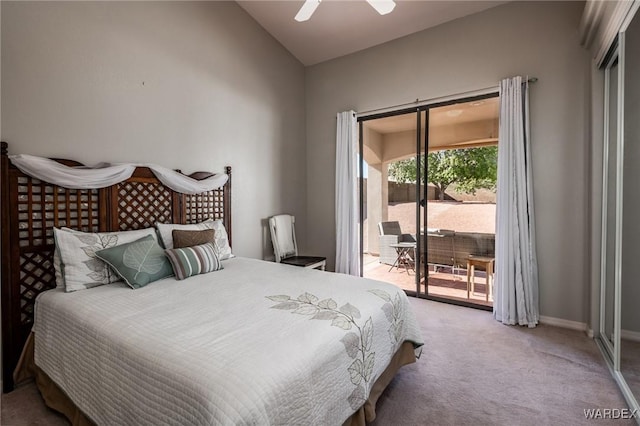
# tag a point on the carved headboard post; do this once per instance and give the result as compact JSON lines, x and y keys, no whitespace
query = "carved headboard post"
{"x":5,"y":270}
{"x":227,"y":204}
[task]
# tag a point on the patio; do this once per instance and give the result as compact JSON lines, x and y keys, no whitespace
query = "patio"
{"x":442,"y":283}
{"x":459,"y":227}
{"x":464,"y":217}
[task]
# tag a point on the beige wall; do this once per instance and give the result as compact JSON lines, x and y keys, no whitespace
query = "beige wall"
{"x":630,"y":300}
{"x":218,"y":86}
{"x":189,"y":85}
{"x":535,"y":38}
{"x":1,"y":351}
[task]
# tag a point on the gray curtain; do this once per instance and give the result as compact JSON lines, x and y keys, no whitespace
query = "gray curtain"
{"x":516,"y":274}
{"x":347,"y":254}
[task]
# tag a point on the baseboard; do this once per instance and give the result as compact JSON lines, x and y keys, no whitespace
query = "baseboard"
{"x":634,"y":336}
{"x":559,"y":322}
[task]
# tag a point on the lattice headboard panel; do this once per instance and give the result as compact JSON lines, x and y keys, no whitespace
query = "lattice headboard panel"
{"x":142,"y":204}
{"x":31,"y":209}
{"x":200,"y":207}
{"x":40,"y":207}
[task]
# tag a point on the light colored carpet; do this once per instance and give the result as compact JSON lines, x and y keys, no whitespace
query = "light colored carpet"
{"x":476,"y":371}
{"x":473,"y":371}
{"x":630,"y":364}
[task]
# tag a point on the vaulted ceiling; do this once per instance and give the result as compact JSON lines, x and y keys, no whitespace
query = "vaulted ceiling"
{"x":340,"y":27}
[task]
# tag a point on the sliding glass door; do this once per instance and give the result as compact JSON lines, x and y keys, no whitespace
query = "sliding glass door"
{"x":428,"y":199}
{"x":390,"y":196}
{"x":462,"y":155}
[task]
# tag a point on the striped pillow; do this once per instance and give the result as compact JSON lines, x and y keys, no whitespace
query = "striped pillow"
{"x":194,"y":260}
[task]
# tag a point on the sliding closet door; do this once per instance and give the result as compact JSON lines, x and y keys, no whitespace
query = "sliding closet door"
{"x":620,"y":293}
{"x":612,"y":180}
{"x":629,"y":342}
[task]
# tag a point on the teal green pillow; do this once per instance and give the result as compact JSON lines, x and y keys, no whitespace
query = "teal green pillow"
{"x":139,"y":263}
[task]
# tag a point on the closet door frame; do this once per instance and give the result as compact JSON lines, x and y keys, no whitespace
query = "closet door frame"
{"x":612,"y":349}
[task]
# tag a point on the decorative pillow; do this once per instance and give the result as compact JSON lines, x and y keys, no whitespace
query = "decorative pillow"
{"x":57,"y":263}
{"x":57,"y":267}
{"x":221,"y":238}
{"x":79,"y":266}
{"x":139,"y":263}
{"x":195,"y":260}
{"x":222,"y":241}
{"x":192,"y":238}
{"x":166,"y":230}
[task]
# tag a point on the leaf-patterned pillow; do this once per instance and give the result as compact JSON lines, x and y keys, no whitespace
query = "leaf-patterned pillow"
{"x":139,"y":263}
{"x":223,"y":249}
{"x":80,"y":267}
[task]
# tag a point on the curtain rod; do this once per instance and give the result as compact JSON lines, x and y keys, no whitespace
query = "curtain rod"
{"x":421,"y":102}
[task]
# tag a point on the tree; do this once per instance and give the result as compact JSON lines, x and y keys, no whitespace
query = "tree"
{"x":405,"y":171}
{"x":470,"y":168}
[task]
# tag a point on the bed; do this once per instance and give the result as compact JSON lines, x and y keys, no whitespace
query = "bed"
{"x":252,"y":343}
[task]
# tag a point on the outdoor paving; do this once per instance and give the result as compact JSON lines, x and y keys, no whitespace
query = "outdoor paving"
{"x":441,"y":283}
{"x":454,"y":215}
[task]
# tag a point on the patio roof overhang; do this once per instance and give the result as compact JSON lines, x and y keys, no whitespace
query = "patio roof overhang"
{"x":462,"y":125}
{"x":390,"y":147}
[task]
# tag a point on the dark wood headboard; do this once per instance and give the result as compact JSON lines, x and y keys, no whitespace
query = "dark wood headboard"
{"x":32,"y":208}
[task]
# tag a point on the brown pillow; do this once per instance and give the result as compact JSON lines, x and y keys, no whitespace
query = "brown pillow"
{"x":192,"y":238}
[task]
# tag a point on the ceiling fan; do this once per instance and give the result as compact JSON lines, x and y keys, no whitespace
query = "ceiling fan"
{"x":382,"y":6}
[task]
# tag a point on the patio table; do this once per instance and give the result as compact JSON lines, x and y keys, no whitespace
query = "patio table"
{"x":484,"y":262}
{"x":404,"y":257}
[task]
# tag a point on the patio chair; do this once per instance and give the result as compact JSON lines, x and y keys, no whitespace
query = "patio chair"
{"x":285,"y":247}
{"x":391,"y":233}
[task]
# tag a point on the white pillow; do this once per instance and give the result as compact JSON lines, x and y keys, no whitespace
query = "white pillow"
{"x":57,"y":267}
{"x":221,"y":239}
{"x":80,"y":268}
{"x":57,"y":263}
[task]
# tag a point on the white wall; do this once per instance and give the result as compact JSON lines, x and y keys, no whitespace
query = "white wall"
{"x":189,"y":85}
{"x":529,"y":38}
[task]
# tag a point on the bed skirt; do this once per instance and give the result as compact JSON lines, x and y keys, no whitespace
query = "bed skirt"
{"x":56,"y":399}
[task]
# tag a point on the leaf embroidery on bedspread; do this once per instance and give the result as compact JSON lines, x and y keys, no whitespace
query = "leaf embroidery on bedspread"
{"x":357,"y":342}
{"x":393,"y":310}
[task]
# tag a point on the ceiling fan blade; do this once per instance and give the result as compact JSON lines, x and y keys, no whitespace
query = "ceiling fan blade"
{"x":307,"y":10}
{"x":382,"y":6}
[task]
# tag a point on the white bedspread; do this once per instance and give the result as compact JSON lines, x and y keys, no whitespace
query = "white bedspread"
{"x":256,"y":343}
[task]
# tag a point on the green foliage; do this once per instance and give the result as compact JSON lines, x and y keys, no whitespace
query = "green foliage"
{"x":470,"y":169}
{"x":405,"y":171}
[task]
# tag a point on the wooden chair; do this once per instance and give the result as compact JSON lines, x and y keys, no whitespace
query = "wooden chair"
{"x":285,"y":247}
